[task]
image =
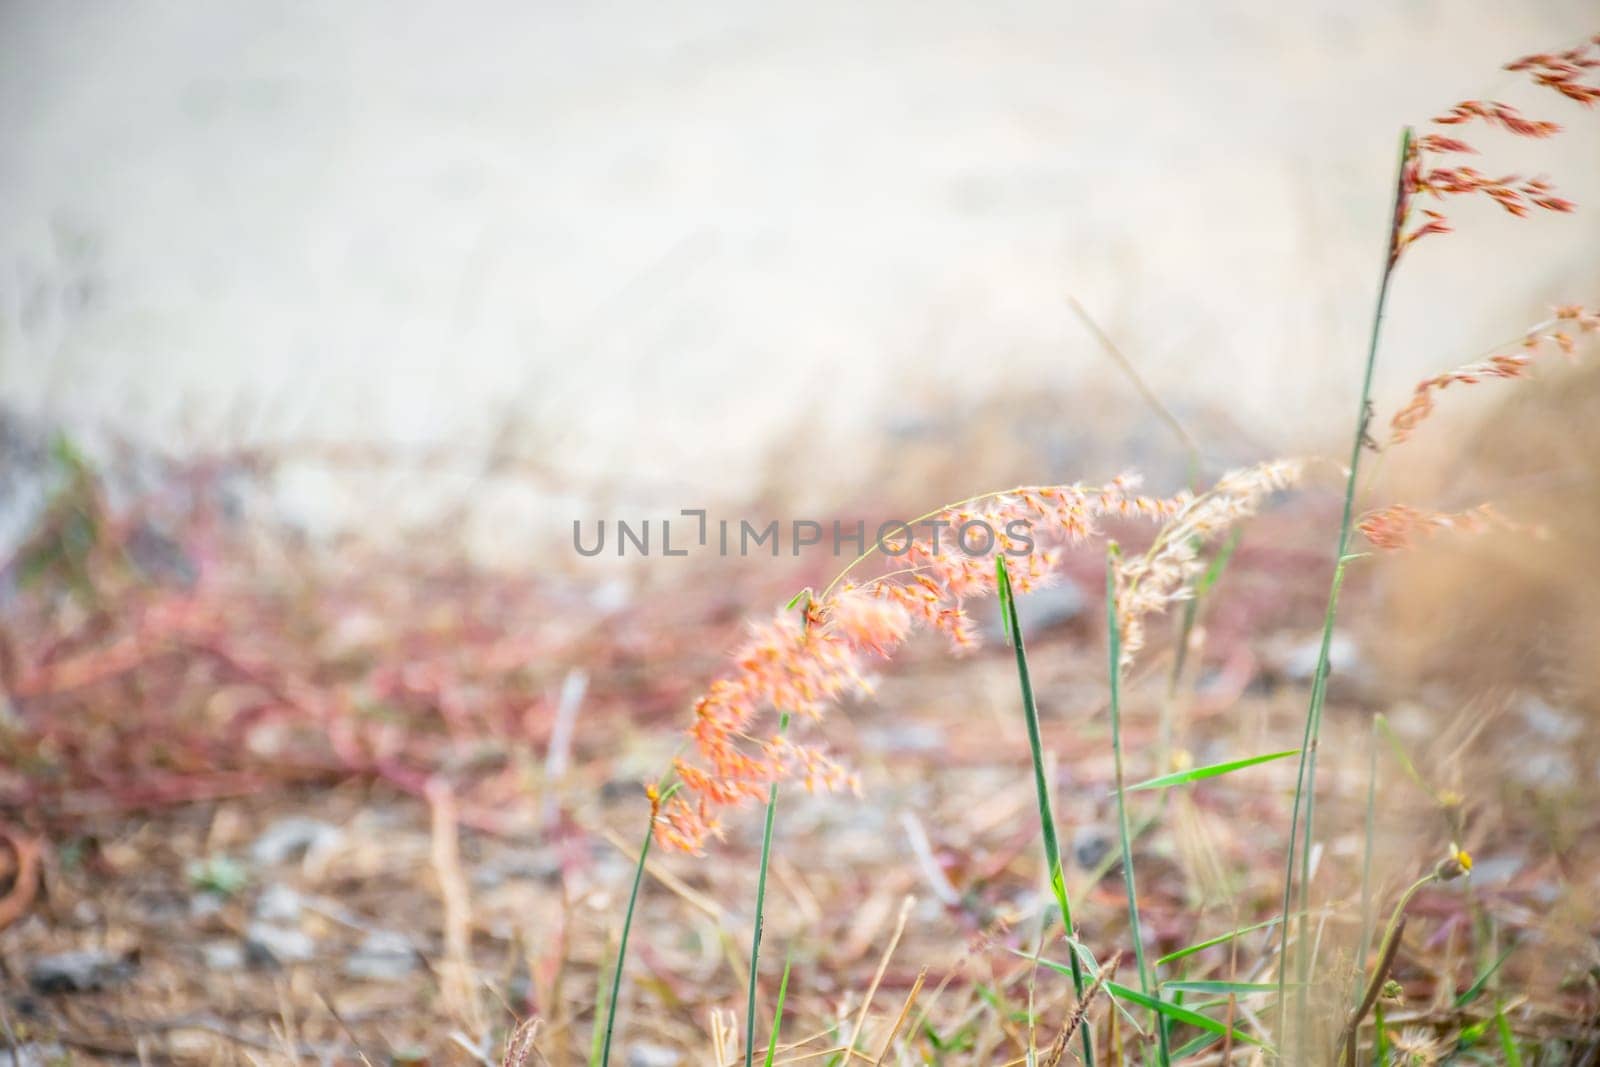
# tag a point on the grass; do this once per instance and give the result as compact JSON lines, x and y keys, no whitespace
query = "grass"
{"x":602,"y":1056}
{"x":1114,"y":706}
{"x":760,"y":920}
{"x":1212,"y":770}
{"x":1047,"y":822}
{"x":1306,"y":775}
{"x":80,"y":649}
{"x":777,"y":1015}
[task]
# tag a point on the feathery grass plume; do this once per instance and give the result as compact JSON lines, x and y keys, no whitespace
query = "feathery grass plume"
{"x":1415,"y":179}
{"x":1165,"y":574}
{"x":1504,"y":116}
{"x":802,"y":662}
{"x":1554,"y":333}
{"x":1401,"y":526}
{"x":1560,"y":71}
{"x":1415,"y":1046}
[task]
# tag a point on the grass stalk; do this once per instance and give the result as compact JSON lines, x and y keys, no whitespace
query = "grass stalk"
{"x":1114,"y":632}
{"x":1180,"y":656}
{"x":761,"y":915}
{"x":1305,"y":783}
{"x":627,"y":927}
{"x":1047,"y":822}
{"x":777,"y":1015}
{"x":1508,"y":1041}
{"x":1345,"y":1054}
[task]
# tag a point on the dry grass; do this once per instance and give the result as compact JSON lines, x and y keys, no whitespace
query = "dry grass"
{"x":942,"y":743}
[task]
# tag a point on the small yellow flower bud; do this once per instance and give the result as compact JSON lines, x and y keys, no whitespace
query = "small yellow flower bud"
{"x":1453,"y":866}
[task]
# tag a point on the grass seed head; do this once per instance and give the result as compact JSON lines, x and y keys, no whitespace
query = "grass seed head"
{"x":804,"y":663}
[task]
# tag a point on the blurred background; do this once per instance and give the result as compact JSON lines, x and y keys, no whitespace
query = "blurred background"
{"x":643,"y":247}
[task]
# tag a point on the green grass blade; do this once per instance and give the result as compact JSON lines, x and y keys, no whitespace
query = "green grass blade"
{"x":1219,"y":563}
{"x":1220,"y":939}
{"x":1008,"y":603}
{"x":1237,"y":989}
{"x":1473,"y":991}
{"x":1306,"y":776}
{"x":761,"y":914}
{"x":598,"y":1044}
{"x":1047,"y":823}
{"x":1183,"y":1015}
{"x":1114,"y":640}
{"x":1198,"y":1045}
{"x":1508,"y":1041}
{"x":622,"y":944}
{"x":1088,"y":960}
{"x":1213,"y":770}
{"x":777,"y":1015}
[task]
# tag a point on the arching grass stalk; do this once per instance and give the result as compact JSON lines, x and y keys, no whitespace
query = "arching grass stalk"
{"x":627,"y":926}
{"x":1305,"y":782}
{"x":1451,"y":867}
{"x":761,"y":914}
{"x":1047,"y":822}
{"x":1114,"y":641}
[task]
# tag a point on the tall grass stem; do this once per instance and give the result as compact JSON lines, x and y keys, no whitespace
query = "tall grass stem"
{"x":1305,"y":783}
{"x":627,"y":927}
{"x":1114,"y":641}
{"x":761,"y":914}
{"x":1047,"y":823}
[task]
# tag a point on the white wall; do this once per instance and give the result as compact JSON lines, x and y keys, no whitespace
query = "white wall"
{"x":659,"y":231}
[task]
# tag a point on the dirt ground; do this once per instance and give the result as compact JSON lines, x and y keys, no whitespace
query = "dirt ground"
{"x":267,"y":800}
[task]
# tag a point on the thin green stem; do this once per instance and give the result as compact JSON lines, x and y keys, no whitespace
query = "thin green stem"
{"x":777,"y":1014}
{"x":1114,"y":632}
{"x":761,"y":912}
{"x":1047,"y":823}
{"x":1304,"y":793}
{"x":627,"y":927}
{"x":1345,"y":1054}
{"x":1305,"y":783}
